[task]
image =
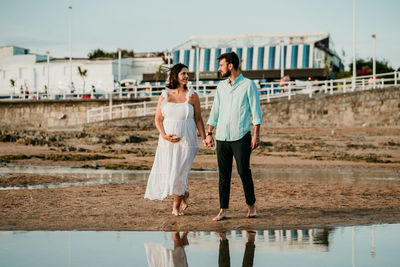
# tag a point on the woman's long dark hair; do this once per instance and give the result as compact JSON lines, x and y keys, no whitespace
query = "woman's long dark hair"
{"x":173,"y":82}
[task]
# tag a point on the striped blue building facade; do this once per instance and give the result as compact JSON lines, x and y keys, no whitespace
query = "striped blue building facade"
{"x":295,"y":56}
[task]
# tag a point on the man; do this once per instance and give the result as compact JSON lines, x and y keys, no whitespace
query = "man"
{"x":235,"y":100}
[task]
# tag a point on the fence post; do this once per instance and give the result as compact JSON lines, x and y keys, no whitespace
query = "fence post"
{"x":151,"y":91}
{"x":123,"y":110}
{"x":344,"y":86}
{"x":206,"y":101}
{"x":144,"y":108}
{"x":310,"y":90}
{"x":331,"y":85}
{"x":326,"y":86}
{"x":135,"y":91}
{"x":290,"y":90}
{"x":363,"y":84}
{"x":395,"y":77}
{"x":268,"y":94}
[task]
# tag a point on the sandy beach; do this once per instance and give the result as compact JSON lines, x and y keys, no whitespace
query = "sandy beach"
{"x":280,"y":204}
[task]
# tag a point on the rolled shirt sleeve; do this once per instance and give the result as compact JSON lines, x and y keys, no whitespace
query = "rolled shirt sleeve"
{"x":214,"y":114}
{"x":254,"y":102}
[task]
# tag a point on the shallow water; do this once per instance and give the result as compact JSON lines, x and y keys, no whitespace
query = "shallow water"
{"x":94,"y":177}
{"x":375,"y":245}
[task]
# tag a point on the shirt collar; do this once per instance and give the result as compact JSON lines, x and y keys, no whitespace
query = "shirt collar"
{"x":238,"y":79}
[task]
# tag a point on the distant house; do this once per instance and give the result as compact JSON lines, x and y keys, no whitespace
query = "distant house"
{"x":30,"y":70}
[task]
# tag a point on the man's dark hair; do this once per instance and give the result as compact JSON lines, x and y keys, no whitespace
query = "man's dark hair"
{"x":231,"y":58}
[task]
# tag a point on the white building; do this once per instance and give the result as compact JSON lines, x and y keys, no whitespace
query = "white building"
{"x":32,"y":72}
{"x":301,"y":54}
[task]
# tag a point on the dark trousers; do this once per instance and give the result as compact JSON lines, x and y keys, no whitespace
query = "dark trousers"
{"x":241,"y":150}
{"x":224,"y":259}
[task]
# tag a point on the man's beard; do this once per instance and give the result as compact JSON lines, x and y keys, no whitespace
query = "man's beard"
{"x":226,"y":75}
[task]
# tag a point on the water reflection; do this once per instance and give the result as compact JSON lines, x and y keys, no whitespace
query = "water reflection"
{"x":343,"y":246}
{"x":224,"y":259}
{"x":158,"y":255}
{"x":94,"y":177}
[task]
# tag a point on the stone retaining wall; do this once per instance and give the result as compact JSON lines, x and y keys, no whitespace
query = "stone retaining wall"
{"x":361,"y":108}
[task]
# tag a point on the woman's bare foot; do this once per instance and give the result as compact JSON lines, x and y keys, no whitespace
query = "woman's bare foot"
{"x":221,"y":215}
{"x":176,"y":213}
{"x":185,"y":204}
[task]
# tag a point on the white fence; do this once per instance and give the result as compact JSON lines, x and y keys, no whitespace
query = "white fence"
{"x":268,"y":91}
{"x":290,"y":89}
{"x":133,"y":110}
{"x":130,"y":91}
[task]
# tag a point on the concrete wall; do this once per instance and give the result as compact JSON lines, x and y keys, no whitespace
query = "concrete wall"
{"x":367,"y":108}
{"x":48,"y":114}
{"x":372,"y":108}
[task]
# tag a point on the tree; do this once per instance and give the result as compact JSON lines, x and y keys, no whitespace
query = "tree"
{"x":364,"y":67}
{"x":12,"y":84}
{"x":83,"y":74}
{"x":161,"y":72}
{"x":99,"y":53}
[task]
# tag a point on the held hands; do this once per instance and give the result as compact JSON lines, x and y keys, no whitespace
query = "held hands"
{"x":255,"y":142}
{"x":171,"y":138}
{"x":209,"y":141}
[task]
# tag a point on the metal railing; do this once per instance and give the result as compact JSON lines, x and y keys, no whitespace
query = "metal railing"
{"x":128,"y":92}
{"x":267,"y":90}
{"x":271,"y":90}
{"x":134,"y":109}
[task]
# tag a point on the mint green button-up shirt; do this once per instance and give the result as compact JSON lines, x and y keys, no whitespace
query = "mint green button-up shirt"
{"x":232,"y":108}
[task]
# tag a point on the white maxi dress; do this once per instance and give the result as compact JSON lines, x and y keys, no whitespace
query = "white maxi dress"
{"x":173,"y":161}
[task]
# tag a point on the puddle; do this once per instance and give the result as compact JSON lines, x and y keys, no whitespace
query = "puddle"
{"x":375,"y":245}
{"x":95,"y":177}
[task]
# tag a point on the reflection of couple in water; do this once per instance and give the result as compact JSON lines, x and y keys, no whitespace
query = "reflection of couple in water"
{"x":178,"y":115}
{"x":248,"y":257}
{"x":158,"y":255}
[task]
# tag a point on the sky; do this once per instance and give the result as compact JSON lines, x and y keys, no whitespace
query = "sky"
{"x":157,"y":25}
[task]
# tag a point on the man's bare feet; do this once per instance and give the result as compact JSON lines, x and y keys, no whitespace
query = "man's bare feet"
{"x":221,"y":215}
{"x":185,"y":204}
{"x":251,"y":237}
{"x":252,"y":211}
{"x":222,"y":236}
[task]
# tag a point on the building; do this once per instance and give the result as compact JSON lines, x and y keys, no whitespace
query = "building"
{"x":304,"y":55}
{"x":31,"y":72}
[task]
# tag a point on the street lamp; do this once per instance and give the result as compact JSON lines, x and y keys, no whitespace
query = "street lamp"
{"x":373,"y":59}
{"x":119,"y":70}
{"x":282,"y":57}
{"x":197,"y":66}
{"x":70,"y":44}
{"x":354,"y":47}
{"x":48,"y":72}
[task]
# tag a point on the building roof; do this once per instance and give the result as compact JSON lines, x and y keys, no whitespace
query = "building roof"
{"x":243,"y":40}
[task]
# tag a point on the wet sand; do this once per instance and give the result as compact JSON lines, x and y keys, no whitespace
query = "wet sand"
{"x":280,"y":204}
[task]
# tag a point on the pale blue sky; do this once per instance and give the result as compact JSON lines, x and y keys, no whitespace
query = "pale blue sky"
{"x":156,"y":25}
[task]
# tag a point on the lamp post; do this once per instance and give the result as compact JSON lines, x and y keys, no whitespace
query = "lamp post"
{"x":119,"y":70}
{"x":197,"y":66}
{"x":374,"y":59}
{"x":353,"y":87}
{"x":70,"y":44}
{"x":48,"y":72}
{"x":282,"y":57}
